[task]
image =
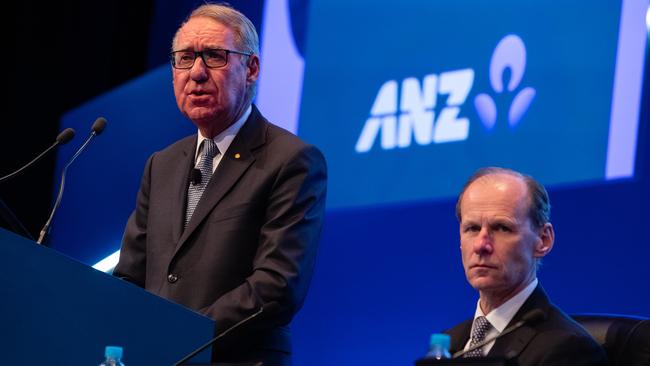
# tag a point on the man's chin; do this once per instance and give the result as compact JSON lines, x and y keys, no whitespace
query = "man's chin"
{"x":483,"y":283}
{"x":202,"y":118}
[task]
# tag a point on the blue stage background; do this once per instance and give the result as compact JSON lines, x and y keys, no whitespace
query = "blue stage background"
{"x":388,"y":271}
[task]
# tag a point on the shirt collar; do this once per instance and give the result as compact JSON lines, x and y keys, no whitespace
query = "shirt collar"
{"x":225,"y":138}
{"x":501,"y":316}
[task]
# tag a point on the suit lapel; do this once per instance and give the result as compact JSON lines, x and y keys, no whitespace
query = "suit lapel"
{"x":235,"y":161}
{"x":179,"y":187}
{"x":511,"y":345}
{"x":459,"y":335}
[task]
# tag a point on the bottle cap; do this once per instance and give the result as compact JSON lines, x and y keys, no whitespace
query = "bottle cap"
{"x":113,"y":352}
{"x":440,"y":339}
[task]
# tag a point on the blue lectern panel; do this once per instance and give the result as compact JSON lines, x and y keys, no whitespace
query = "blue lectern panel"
{"x":57,"y":311}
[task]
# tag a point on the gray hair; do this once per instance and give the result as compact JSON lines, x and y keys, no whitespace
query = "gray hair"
{"x":539,"y":210}
{"x":246,"y":39}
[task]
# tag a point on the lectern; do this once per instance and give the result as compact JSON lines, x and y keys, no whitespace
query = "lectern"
{"x":56,"y":310}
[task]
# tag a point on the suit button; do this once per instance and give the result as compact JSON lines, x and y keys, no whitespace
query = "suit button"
{"x":172,"y":278}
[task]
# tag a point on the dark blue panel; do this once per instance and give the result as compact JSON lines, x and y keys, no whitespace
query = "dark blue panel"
{"x":57,"y":311}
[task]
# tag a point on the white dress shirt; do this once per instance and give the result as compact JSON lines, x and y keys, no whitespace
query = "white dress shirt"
{"x":501,"y":316}
{"x":222,"y":140}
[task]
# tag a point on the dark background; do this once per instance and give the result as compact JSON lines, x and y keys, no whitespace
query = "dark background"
{"x":66,"y":53}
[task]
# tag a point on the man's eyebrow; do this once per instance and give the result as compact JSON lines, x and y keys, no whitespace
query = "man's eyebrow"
{"x":469,"y":221}
{"x":503,"y":221}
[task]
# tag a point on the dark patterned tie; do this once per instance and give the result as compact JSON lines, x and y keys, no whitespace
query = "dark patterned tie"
{"x":481,"y":327}
{"x":195,"y":191}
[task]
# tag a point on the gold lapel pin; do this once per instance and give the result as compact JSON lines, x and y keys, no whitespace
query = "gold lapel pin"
{"x":237,"y":156}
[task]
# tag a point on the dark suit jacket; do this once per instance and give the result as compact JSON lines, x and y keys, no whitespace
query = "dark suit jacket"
{"x":251,"y":241}
{"x":558,"y":340}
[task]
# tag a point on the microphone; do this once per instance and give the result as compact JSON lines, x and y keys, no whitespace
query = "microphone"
{"x":196,"y":176}
{"x":97,"y":128}
{"x":64,"y":137}
{"x":270,"y":307}
{"x":531,"y":317}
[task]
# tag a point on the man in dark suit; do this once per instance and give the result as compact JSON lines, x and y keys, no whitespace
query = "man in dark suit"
{"x":504,"y":233}
{"x":227,"y":221}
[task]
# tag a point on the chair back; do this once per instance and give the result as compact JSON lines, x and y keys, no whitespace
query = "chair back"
{"x":625,"y":338}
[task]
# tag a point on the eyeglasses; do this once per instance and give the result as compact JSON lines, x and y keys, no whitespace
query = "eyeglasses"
{"x":213,"y":58}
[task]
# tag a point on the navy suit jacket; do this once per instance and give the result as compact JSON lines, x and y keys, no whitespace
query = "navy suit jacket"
{"x":251,"y":241}
{"x":558,"y":340}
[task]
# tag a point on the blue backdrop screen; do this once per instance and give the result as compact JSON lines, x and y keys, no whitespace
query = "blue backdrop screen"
{"x":423,"y":93}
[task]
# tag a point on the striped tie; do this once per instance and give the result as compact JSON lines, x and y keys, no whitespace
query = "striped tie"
{"x":481,"y":327}
{"x":195,"y":191}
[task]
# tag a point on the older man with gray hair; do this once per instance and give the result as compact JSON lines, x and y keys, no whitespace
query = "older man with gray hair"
{"x":227,"y":221}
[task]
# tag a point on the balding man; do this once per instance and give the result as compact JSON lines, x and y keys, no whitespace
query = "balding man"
{"x":504,"y":233}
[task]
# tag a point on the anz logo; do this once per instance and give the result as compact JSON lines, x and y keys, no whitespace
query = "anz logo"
{"x":416,"y":116}
{"x":396,"y":122}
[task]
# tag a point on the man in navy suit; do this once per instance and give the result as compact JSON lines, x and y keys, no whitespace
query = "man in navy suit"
{"x":504,"y":233}
{"x":227,"y":221}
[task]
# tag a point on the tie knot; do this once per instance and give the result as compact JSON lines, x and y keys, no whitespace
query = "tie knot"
{"x":480,"y":328}
{"x":210,"y":149}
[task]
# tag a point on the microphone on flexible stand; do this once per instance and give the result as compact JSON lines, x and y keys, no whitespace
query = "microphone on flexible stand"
{"x":5,"y":212}
{"x":531,"y":317}
{"x":268,"y":308}
{"x":98,"y":127}
{"x":64,"y":137}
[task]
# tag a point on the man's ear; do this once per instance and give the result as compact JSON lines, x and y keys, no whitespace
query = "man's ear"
{"x":252,"y":69}
{"x":546,"y":236}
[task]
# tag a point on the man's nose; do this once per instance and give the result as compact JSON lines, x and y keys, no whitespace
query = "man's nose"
{"x":199,"y":72}
{"x":483,"y":243}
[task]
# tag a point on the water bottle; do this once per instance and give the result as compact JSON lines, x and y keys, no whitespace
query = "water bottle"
{"x":439,"y":346}
{"x":113,"y":356}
